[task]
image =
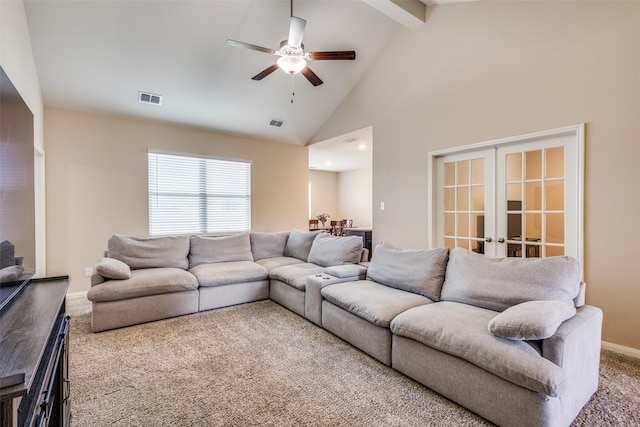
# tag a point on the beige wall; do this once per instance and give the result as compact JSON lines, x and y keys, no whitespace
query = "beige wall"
{"x":480,"y":71}
{"x":354,"y":196}
{"x":97,"y":182}
{"x":324,"y":193}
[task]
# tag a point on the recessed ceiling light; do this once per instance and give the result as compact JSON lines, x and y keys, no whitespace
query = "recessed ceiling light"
{"x":362,"y":146}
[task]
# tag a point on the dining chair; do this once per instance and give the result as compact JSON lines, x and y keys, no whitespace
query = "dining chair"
{"x":337,"y":228}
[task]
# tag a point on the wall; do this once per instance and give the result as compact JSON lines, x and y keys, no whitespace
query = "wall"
{"x":354,"y":196}
{"x":480,"y":71}
{"x":96,"y":172}
{"x":324,"y":193}
{"x":16,"y":58}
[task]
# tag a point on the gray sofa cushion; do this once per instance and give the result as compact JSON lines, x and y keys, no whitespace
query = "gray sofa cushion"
{"x":227,"y":273}
{"x":149,"y":281}
{"x":299,"y":244}
{"x":499,"y":283}
{"x":112,"y":268}
{"x":531,"y":320}
{"x":206,"y":249}
{"x":327,"y":250}
{"x":281,"y":261}
{"x":375,"y":303}
{"x":268,"y":245}
{"x":10,"y":273}
{"x":160,"y":252}
{"x":295,"y":275}
{"x":461,"y":330}
{"x":419,"y":271}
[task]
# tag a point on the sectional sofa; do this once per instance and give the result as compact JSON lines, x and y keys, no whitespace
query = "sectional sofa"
{"x":510,"y":339}
{"x":141,"y":280}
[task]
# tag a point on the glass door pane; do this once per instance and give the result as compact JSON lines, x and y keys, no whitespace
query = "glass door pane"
{"x":462,"y":200}
{"x":531,"y":199}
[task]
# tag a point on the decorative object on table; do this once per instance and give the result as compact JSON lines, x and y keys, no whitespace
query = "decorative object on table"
{"x":323,"y":217}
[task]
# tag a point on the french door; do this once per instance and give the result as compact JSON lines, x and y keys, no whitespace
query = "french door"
{"x":517,"y":197}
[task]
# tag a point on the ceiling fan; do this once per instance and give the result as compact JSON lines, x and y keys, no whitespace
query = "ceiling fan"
{"x":293,"y":59}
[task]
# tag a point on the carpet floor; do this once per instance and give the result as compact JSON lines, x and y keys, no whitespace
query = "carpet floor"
{"x":259,"y":364}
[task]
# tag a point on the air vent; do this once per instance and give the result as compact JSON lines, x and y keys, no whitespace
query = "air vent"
{"x":276,"y":123}
{"x":149,"y":98}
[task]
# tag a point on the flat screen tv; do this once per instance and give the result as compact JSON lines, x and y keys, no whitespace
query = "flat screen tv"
{"x":17,"y":194}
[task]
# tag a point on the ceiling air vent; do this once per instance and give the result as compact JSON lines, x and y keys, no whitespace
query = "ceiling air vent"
{"x":276,"y":123}
{"x":149,"y":98}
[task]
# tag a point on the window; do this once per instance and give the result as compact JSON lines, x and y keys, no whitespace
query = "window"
{"x":198,"y":195}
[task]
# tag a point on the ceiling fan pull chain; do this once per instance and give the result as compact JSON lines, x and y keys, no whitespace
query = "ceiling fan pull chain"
{"x":293,"y":92}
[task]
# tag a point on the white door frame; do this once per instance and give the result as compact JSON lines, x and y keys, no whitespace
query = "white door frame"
{"x":577,"y":131}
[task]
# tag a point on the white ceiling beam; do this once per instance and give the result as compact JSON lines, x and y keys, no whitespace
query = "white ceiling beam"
{"x":410,"y":13}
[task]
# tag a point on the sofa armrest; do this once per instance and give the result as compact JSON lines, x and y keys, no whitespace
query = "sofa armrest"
{"x":313,"y":297}
{"x":575,"y":347}
{"x":577,"y":337}
{"x":347,"y":271}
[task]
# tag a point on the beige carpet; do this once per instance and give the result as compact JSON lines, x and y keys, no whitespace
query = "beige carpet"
{"x":260,"y":364}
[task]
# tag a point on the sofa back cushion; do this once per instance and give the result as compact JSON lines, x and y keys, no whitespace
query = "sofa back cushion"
{"x":499,"y":283}
{"x":328,"y":250}
{"x":420,"y":271}
{"x":140,"y":253}
{"x":299,"y":244}
{"x":268,"y":245}
{"x":206,"y":249}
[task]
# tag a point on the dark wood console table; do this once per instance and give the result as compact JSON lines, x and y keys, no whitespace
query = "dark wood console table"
{"x":34,"y":337}
{"x":365,"y":233}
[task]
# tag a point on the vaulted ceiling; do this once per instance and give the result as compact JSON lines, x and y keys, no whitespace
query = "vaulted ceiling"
{"x":95,"y":55}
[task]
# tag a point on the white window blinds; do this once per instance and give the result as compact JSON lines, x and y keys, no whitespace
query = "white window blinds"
{"x":197,"y":195}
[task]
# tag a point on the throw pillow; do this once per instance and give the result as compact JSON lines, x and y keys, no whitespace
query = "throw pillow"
{"x":268,"y":245}
{"x":112,"y":268}
{"x":327,"y":250}
{"x":299,"y":244}
{"x":219,"y":249}
{"x":420,"y":271}
{"x":531,"y":320}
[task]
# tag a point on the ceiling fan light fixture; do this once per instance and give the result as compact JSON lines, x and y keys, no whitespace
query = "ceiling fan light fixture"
{"x":291,"y":64}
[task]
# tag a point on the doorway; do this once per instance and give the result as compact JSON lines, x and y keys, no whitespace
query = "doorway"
{"x":340,"y":178}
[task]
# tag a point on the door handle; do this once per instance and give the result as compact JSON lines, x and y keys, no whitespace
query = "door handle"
{"x":501,"y":240}
{"x":488,"y":239}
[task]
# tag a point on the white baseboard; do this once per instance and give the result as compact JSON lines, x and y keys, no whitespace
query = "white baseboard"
{"x":75,"y":295}
{"x":628,"y":351}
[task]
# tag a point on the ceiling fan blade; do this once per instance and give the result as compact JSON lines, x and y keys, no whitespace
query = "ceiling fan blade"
{"x":264,"y":73}
{"x":250,"y":46}
{"x":296,"y":31}
{"x":338,"y":54}
{"x":311,"y":76}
